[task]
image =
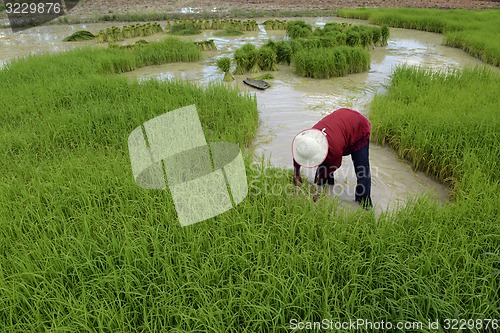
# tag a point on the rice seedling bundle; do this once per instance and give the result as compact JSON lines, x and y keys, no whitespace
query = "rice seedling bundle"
{"x":298,"y":29}
{"x":185,"y":28}
{"x":245,"y":58}
{"x":79,"y":36}
{"x":101,"y":37}
{"x":284,"y":52}
{"x":476,"y":32}
{"x":323,"y":63}
{"x":224,"y":64}
{"x":353,"y":38}
{"x":116,"y":33}
{"x":267,"y":59}
{"x":206,"y":45}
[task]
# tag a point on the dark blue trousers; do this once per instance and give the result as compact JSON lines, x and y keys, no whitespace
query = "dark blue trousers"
{"x":361,"y":162}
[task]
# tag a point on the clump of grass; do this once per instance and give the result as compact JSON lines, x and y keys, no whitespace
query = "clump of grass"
{"x":245,"y":58}
{"x":298,"y":29}
{"x":284,"y":52}
{"x":275,"y":24}
{"x":216,"y":24}
{"x":267,"y":59}
{"x":184,"y":29}
{"x":474,"y":32}
{"x":224,"y":64}
{"x":113,"y":34}
{"x":206,"y":45}
{"x":308,"y":50}
{"x":323,"y":63}
{"x":79,"y":36}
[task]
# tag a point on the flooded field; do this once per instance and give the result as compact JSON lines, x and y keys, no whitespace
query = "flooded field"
{"x":293,"y":103}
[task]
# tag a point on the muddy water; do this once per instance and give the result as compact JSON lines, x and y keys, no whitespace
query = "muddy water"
{"x":293,"y":103}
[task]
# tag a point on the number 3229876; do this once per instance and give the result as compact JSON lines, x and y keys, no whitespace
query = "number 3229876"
{"x":33,"y":8}
{"x":464,"y":324}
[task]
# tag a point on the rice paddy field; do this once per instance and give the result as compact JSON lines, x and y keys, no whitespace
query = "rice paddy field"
{"x":84,"y":249}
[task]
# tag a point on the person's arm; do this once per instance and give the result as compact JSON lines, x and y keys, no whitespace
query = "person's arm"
{"x":297,"y":180}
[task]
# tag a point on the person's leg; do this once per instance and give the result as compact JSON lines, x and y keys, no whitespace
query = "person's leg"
{"x":361,"y":163}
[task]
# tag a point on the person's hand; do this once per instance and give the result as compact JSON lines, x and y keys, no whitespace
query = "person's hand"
{"x":297,"y":180}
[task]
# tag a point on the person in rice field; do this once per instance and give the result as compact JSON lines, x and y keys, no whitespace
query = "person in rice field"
{"x":341,"y":133}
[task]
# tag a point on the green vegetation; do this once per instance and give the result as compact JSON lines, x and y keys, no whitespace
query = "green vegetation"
{"x":83,"y":248}
{"x":79,"y":36}
{"x":459,"y":140}
{"x":331,"y":51}
{"x":475,"y":32}
{"x":114,"y":33}
{"x":224,"y":64}
{"x":206,"y":15}
{"x":184,"y":29}
{"x":216,"y":24}
{"x":324,"y":63}
{"x":246,"y":58}
{"x":275,"y":24}
{"x":206,"y":45}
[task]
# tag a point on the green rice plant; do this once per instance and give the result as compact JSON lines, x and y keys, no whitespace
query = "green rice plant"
{"x":322,"y":63}
{"x":283,"y":52}
{"x":206,"y":45}
{"x":267,"y":59}
{"x":253,"y":61}
{"x":384,"y":31}
{"x":353,"y":38}
{"x":245,"y":58}
{"x":101,"y":37}
{"x":298,"y":29}
{"x":473,"y":31}
{"x":224,"y":64}
{"x":184,"y":29}
{"x":79,"y":36}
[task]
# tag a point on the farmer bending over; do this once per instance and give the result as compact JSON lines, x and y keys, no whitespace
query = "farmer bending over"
{"x":341,"y":133}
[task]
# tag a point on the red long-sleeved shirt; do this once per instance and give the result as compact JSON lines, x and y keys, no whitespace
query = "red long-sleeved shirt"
{"x":347,"y":131}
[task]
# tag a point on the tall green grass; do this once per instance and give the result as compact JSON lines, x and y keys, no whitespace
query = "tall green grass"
{"x":475,"y":32}
{"x":83,"y":248}
{"x":332,"y":51}
{"x":441,"y":137}
{"x":324,"y":63}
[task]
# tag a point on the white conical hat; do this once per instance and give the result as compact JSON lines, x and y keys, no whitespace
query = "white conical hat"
{"x":310,"y":148}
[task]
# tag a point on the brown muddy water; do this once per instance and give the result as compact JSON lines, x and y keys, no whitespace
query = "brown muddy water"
{"x":292,"y":103}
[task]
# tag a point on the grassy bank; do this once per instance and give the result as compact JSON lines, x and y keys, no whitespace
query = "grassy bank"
{"x":448,"y":126}
{"x":475,"y":32}
{"x":82,"y":248}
